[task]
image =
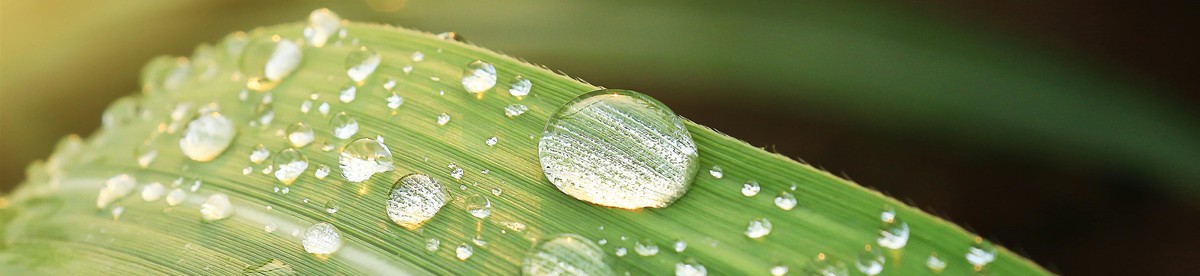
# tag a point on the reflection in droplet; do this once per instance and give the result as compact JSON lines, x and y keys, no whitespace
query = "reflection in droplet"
{"x":322,"y":239}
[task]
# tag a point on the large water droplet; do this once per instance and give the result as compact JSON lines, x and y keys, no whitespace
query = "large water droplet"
{"x":618,"y":148}
{"x":479,"y":76}
{"x":479,"y":206}
{"x":363,"y":158}
{"x":207,"y":137}
{"x":322,"y":24}
{"x":343,"y":125}
{"x":464,"y":251}
{"x":751,"y":188}
{"x":566,"y":254}
{"x":690,"y":268}
{"x":152,"y":191}
{"x":217,"y":207}
{"x":758,"y":228}
{"x":289,"y":164}
{"x":870,"y":261}
{"x":361,"y":64}
{"x":267,"y":62}
{"x":414,"y":199}
{"x":520,"y":86}
{"x":322,"y":239}
{"x":300,"y":134}
{"x":115,"y":188}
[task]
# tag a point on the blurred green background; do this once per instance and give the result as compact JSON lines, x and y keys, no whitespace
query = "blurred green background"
{"x":1066,"y":130}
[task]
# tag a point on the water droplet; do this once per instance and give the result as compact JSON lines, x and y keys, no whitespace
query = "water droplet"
{"x":322,"y":239}
{"x":115,"y":188}
{"x":324,"y":108}
{"x":175,"y":197}
{"x":348,"y":94}
{"x":418,"y":56}
{"x":146,"y":152}
{"x":389,"y":84}
{"x":195,"y":185}
{"x":690,"y":268}
{"x":827,"y":267}
{"x":322,"y":24}
{"x":491,"y":141}
{"x":332,"y":206}
{"x":217,"y":207}
{"x":289,"y":164}
{"x":207,"y":137}
{"x":679,"y":246}
{"x":306,"y":106}
{"x":259,"y":154}
{"x":645,"y":248}
{"x":432,"y":245}
{"x":300,"y":134}
{"x":520,"y":86}
{"x":750,"y":188}
{"x":267,"y":62}
{"x":888,"y":215}
{"x":117,"y":211}
{"x":934,"y":263}
{"x":344,"y":126}
{"x":716,"y":172}
{"x":414,"y":199}
{"x":450,"y":36}
{"x":361,"y":64}
{"x":394,"y":101}
{"x":479,"y":206}
{"x":779,"y":270}
{"x":442,"y":119}
{"x":152,"y":191}
{"x":620,"y":252}
{"x":514,"y":110}
{"x":284,"y":190}
{"x":321,"y":172}
{"x":463,"y":251}
{"x":363,"y":158}
{"x":515,"y":226}
{"x":980,"y":254}
{"x":870,"y":261}
{"x":893,"y":235}
{"x":566,"y":254}
{"x":496,"y":191}
{"x":585,"y":150}
{"x":479,"y":76}
{"x":758,"y":228}
{"x":407,"y":69}
{"x":456,"y":172}
{"x":603,"y":241}
{"x":270,"y":227}
{"x":785,"y":201}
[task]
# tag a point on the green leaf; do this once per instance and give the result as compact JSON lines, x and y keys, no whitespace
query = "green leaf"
{"x":50,"y":225}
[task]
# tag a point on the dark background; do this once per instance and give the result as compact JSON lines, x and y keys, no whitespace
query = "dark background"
{"x":1066,"y":130}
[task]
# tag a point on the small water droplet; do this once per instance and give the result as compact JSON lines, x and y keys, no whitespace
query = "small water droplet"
{"x":785,"y":201}
{"x":583,"y":150}
{"x":888,"y":215}
{"x":265,"y":63}
{"x":456,"y":172}
{"x":645,"y":247}
{"x":146,"y":152}
{"x":450,"y":36}
{"x":217,"y":207}
{"x":603,"y":241}
{"x":520,"y":86}
{"x":690,"y":268}
{"x":270,"y":227}
{"x":418,"y":56}
{"x":827,"y":267}
{"x":479,"y":76}
{"x":870,"y":261}
{"x":442,"y":119}
{"x":893,"y":235}
{"x":321,"y":172}
{"x":432,"y":245}
{"x":620,"y":252}
{"x":679,"y":246}
{"x":322,"y":239}
{"x":324,"y":108}
{"x":285,"y":190}
{"x":464,"y":251}
{"x":414,"y":199}
{"x":479,"y":206}
{"x":207,"y":137}
{"x":289,"y":164}
{"x":361,"y":64}
{"x":115,"y":188}
{"x":980,"y":254}
{"x":779,"y":270}
{"x":491,"y":141}
{"x":394,"y":101}
{"x":389,"y":84}
{"x":300,"y":134}
{"x":348,"y":94}
{"x":306,"y":106}
{"x":259,"y":154}
{"x":343,"y":125}
{"x":716,"y":172}
{"x":117,"y":211}
{"x":363,"y":158}
{"x":176,"y":196}
{"x":152,"y":191}
{"x":750,"y":188}
{"x":407,"y":69}
{"x":935,"y":264}
{"x":332,"y":206}
{"x":268,"y":169}
{"x":758,"y":228}
{"x":195,"y":185}
{"x":514,"y":110}
{"x":496,"y":191}
{"x":322,"y":24}
{"x":566,"y":254}
{"x":515,"y":226}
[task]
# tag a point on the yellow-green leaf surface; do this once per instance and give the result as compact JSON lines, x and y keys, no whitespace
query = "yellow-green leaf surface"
{"x":51,"y":223}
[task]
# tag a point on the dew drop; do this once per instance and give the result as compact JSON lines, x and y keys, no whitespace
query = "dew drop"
{"x":344,"y":126}
{"x":394,"y":101}
{"x":152,"y":191}
{"x":442,"y":119}
{"x":520,"y":86}
{"x":306,"y":106}
{"x":751,"y":188}
{"x":322,"y":24}
{"x":456,"y":172}
{"x":432,"y":245}
{"x":361,"y":64}
{"x":716,"y":172}
{"x":259,"y":154}
{"x":321,"y":172}
{"x":893,"y":235}
{"x":363,"y":158}
{"x":587,"y":150}
{"x":389,"y":84}
{"x":779,"y":270}
{"x":620,"y":252}
{"x":758,"y":228}
{"x":324,"y":108}
{"x":514,"y":110}
{"x":479,"y":76}
{"x":322,"y":239}
{"x":934,"y":263}
{"x":407,"y":69}
{"x":347,"y":94}
{"x":270,"y":227}
{"x":267,"y":62}
{"x":414,"y":199}
{"x":491,"y":141}
{"x":888,"y":215}
{"x":300,"y":134}
{"x":176,"y":196}
{"x":145,"y":153}
{"x":217,"y":207}
{"x":645,"y":248}
{"x":785,"y":201}
{"x":119,"y":112}
{"x":450,"y":36}
{"x":289,"y":164}
{"x":332,"y":206}
{"x":497,"y":191}
{"x":418,"y":56}
{"x":870,"y":261}
{"x":566,"y":254}
{"x":207,"y":137}
{"x":117,"y":211}
{"x":479,"y":206}
{"x":115,"y":188}
{"x":827,"y":267}
{"x":980,"y":254}
{"x":690,"y":268}
{"x":464,"y":251}
{"x":679,"y":246}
